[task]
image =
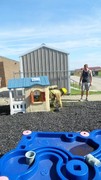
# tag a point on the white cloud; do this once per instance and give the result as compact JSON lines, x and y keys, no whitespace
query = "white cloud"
{"x":83,"y":27}
{"x":73,"y":36}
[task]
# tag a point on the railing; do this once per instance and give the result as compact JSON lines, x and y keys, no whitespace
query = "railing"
{"x":74,"y":84}
{"x":17,"y":106}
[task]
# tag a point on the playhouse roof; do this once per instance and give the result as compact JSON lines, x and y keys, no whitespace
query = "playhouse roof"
{"x":28,"y":82}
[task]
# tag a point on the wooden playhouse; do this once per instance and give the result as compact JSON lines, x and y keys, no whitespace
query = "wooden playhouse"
{"x":29,"y":94}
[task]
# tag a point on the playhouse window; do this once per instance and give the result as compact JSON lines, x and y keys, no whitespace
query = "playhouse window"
{"x":39,"y":96}
{"x":19,"y":94}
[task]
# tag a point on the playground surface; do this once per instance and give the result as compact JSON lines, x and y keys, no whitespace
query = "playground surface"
{"x":73,"y":117}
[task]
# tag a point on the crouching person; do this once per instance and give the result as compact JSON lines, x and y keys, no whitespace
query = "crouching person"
{"x":55,"y":96}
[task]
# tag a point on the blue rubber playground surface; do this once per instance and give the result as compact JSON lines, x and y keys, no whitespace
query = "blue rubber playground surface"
{"x":54,"y":156}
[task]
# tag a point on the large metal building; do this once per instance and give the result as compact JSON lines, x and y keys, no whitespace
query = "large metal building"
{"x":47,"y":61}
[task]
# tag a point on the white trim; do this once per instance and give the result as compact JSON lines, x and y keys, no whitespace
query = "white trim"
{"x":17,"y":106}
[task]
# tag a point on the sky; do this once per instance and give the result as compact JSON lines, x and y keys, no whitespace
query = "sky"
{"x":73,"y":26}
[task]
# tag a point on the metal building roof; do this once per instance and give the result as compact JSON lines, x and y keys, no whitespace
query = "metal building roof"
{"x":28,"y":82}
{"x":41,"y":46}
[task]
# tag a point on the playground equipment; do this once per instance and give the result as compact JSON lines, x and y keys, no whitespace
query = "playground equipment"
{"x":29,"y":94}
{"x":54,"y":156}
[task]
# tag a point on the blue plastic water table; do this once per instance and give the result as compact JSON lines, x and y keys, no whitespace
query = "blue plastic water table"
{"x":54,"y":156}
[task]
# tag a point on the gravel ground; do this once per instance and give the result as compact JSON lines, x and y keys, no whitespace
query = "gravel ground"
{"x":74,"y":116}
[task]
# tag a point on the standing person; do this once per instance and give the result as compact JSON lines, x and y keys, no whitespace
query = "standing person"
{"x":85,"y":81}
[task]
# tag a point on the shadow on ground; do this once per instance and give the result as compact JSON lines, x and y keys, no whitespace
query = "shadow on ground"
{"x":4,"y":110}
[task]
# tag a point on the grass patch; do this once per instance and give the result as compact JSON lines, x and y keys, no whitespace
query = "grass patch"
{"x":75,"y":85}
{"x":78,"y":92}
{"x":75,"y":92}
{"x":99,"y":73}
{"x":94,"y":92}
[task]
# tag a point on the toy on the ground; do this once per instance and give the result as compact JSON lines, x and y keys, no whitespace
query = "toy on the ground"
{"x":54,"y":156}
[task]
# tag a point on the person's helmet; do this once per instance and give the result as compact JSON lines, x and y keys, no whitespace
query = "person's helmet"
{"x":64,"y":90}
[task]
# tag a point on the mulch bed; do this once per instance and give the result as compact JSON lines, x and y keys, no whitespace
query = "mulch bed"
{"x":79,"y":116}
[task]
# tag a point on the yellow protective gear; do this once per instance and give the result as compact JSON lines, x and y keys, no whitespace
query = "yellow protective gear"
{"x":55,"y":96}
{"x":64,"y":90}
